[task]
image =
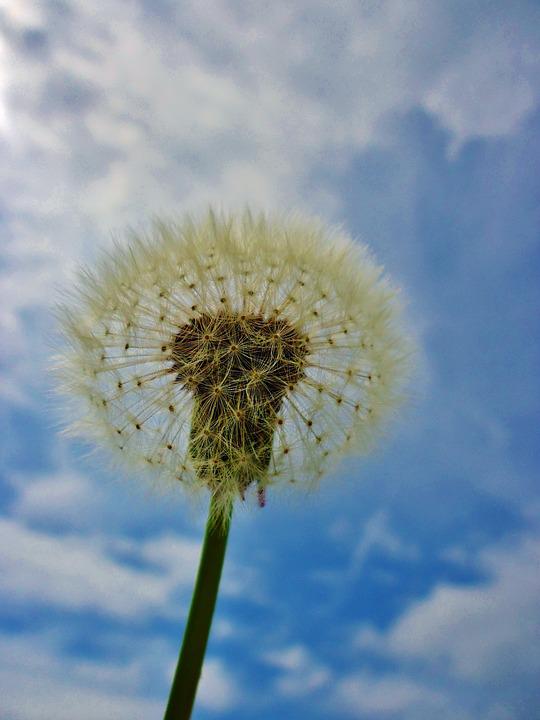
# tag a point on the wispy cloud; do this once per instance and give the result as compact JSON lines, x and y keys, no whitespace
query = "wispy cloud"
{"x":474,"y":635}
{"x":366,"y":694}
{"x":43,"y":680}
{"x":40,"y":681}
{"x":301,"y":673}
{"x":249,"y":109}
{"x":81,"y":573}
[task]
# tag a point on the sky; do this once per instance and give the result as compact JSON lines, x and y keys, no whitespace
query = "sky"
{"x":407,"y":587}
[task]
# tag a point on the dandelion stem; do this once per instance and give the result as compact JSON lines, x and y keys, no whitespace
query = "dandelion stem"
{"x":190,"y":659}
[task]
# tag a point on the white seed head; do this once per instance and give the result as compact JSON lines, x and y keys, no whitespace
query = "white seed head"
{"x":234,"y":350}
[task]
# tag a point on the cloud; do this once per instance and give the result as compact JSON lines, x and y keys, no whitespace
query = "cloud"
{"x":61,"y":546}
{"x":82,"y":573}
{"x":247,"y":109}
{"x":98,"y":137}
{"x":493,"y":84}
{"x":479,"y":632}
{"x":217,"y":690}
{"x":301,"y":673}
{"x":477,"y":636}
{"x":59,"y":497}
{"x":376,"y":537}
{"x":37,"y":681}
{"x":366,"y":695}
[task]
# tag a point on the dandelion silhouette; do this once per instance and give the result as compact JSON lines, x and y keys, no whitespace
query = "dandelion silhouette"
{"x":232,"y":352}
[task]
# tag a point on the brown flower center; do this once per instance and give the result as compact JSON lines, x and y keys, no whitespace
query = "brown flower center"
{"x":238,"y":368}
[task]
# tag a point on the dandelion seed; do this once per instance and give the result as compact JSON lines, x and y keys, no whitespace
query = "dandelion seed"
{"x":190,"y":347}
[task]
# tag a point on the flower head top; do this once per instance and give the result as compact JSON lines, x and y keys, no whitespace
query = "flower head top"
{"x":235,"y":350}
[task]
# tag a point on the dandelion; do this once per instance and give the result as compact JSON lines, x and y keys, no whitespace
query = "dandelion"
{"x":233,"y":353}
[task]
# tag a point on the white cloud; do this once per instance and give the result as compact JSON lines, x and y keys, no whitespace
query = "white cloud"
{"x":113,"y":116}
{"x":375,"y":536}
{"x":489,"y":88}
{"x":463,"y":652}
{"x":58,"y":497}
{"x":478,"y":636}
{"x":244,"y":109}
{"x":37,"y":681}
{"x":82,"y":573}
{"x":302,"y":674}
{"x":217,"y":689}
{"x":76,"y":559}
{"x":223,"y":628}
{"x":378,"y":535}
{"x":367,"y":695}
{"x":481,"y":631}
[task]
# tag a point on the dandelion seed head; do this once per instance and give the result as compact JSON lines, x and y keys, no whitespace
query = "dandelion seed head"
{"x":234,"y":350}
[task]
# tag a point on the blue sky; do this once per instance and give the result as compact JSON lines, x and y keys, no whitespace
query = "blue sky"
{"x":407,"y":587}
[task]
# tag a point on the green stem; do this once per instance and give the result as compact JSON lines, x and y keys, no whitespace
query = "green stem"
{"x":190,"y":659}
